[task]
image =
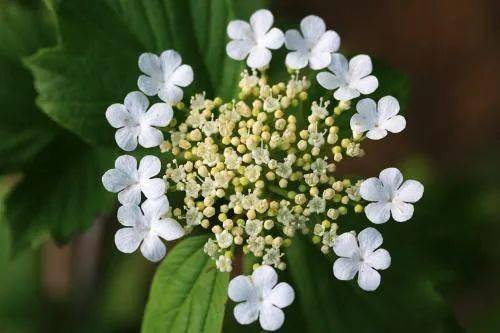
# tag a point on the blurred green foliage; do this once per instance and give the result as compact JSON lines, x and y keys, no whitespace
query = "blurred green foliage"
{"x":77,"y":57}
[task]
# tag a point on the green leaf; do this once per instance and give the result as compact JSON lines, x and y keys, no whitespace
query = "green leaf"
{"x":95,"y":63}
{"x":188,"y":294}
{"x":406,"y":301}
{"x":24,"y":130}
{"x":60,"y":193}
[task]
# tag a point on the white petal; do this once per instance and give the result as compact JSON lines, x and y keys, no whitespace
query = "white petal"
{"x":150,"y":137}
{"x":297,"y":60}
{"x":373,"y":190}
{"x":240,"y":288}
{"x":368,"y":278}
{"x":339,"y":65}
{"x":168,"y":229}
{"x":328,"y":80}
{"x":153,"y":248}
{"x":149,"y":167}
{"x":182,"y":76}
{"x":294,"y":40}
{"x":130,"y":195}
{"x":170,"y":93}
{"x":360,"y":124}
{"x":239,"y":29}
{"x":320,"y":60}
{"x":328,"y":42}
{"x":395,"y":124}
{"x":345,"y":245}
{"x":388,"y":107}
{"x":365,"y":85}
{"x":367,"y":108}
{"x":127,"y":164}
{"x":127,"y":240}
{"x":376,"y":133}
{"x":259,"y":57}
{"x":126,"y":138}
{"x":369,"y":240}
{"x":118,"y":116}
{"x":136,"y":103}
{"x":271,"y":318}
{"x":265,"y":277}
{"x":153,"y":188}
{"x":345,"y":269}
{"x":391,"y":178}
{"x":274,"y":39}
{"x":150,"y":64}
{"x":116,"y":180}
{"x":402,"y":212}
{"x":239,"y":49}
{"x":130,"y":215}
{"x":155,"y":208}
{"x":246,"y":312}
{"x":261,"y":21}
{"x":148,"y":85}
{"x":312,"y":27}
{"x":360,"y":66}
{"x":345,"y":94}
{"x":410,"y":191}
{"x":160,"y":114}
{"x":170,"y":60}
{"x":378,"y":212}
{"x":380,"y":259}
{"x":282,"y":295}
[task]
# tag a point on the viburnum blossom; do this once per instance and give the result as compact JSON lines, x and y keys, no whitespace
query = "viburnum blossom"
{"x":136,"y":123}
{"x":164,"y":76}
{"x":129,"y":181}
{"x":261,"y":297}
{"x":377,"y":119}
{"x":391,"y":196}
{"x":255,"y":39}
{"x":146,"y":228}
{"x":258,"y":168}
{"x":349,"y":80}
{"x":314,"y":46}
{"x":361,"y":257}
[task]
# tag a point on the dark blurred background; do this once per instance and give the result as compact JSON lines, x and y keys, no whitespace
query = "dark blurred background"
{"x":450,"y":49}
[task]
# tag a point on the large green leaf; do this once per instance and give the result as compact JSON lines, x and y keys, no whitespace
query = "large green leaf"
{"x":188,"y":294}
{"x":24,"y":130}
{"x":60,"y":193}
{"x":95,"y":63}
{"x":406,"y":301}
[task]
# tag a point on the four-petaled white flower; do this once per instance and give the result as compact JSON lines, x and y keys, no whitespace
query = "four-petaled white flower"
{"x":350,"y":79}
{"x":255,"y":39}
{"x":164,"y":75}
{"x":363,"y":259}
{"x":377,"y":119}
{"x":391,"y":195}
{"x":261,"y":297}
{"x":136,"y":123}
{"x":147,"y":227}
{"x":314,"y":46}
{"x":130,"y":181}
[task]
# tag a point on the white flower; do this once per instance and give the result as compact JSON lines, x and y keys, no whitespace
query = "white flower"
{"x":164,"y":75}
{"x":314,"y":46}
{"x":224,"y":239}
{"x":363,"y":259}
{"x":146,"y":227}
{"x":255,"y":39}
{"x":261,"y":297}
{"x":377,"y":119}
{"x":135,"y":122}
{"x":351,"y":79}
{"x":224,"y":264}
{"x":130,"y":181}
{"x":390,"y":196}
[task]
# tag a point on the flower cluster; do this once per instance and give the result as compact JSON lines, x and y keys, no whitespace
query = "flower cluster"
{"x":260,"y":168}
